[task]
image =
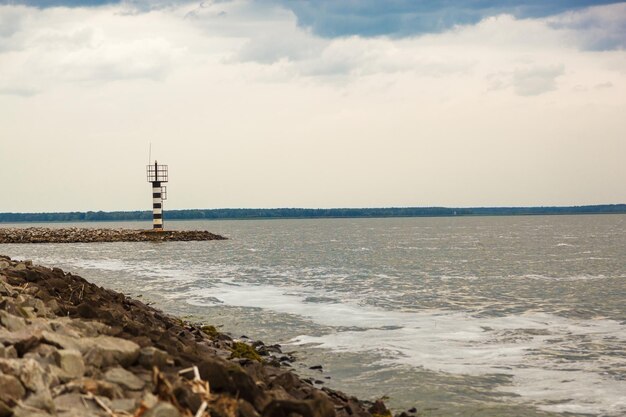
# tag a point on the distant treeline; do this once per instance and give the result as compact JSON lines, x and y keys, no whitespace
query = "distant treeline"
{"x":304,"y":213}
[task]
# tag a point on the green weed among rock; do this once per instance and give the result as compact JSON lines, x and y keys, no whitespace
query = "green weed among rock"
{"x":210,"y":331}
{"x":242,"y":350}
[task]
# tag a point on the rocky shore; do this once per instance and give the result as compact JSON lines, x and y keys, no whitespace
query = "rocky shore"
{"x":69,"y":348}
{"x":88,"y":235}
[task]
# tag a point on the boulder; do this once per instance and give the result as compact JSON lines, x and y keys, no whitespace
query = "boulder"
{"x":162,"y":409}
{"x":124,"y":378}
{"x":71,"y":362}
{"x":11,"y":390}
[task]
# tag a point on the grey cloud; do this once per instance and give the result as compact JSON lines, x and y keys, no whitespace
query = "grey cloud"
{"x":535,"y":81}
{"x":600,"y":29}
{"x":528,"y":81}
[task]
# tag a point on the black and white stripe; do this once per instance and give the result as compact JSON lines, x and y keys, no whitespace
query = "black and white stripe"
{"x":157,"y":206}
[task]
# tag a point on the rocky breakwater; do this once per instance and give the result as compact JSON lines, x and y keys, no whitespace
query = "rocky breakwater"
{"x":69,"y":348}
{"x":88,"y":235}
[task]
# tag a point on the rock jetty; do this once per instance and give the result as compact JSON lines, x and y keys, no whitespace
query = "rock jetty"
{"x":69,"y":348}
{"x":88,"y":235}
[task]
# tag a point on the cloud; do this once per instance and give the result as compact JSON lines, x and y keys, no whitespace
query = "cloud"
{"x":367,"y":18}
{"x":597,"y":28}
{"x":331,"y":18}
{"x":536,"y":80}
{"x":56,"y":46}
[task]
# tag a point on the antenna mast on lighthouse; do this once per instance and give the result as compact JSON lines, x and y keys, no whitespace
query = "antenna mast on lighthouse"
{"x":157,"y":174}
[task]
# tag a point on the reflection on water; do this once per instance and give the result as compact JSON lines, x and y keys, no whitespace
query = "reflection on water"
{"x":482,"y":316}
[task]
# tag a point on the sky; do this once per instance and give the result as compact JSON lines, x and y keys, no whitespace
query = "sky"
{"x":301,"y":103}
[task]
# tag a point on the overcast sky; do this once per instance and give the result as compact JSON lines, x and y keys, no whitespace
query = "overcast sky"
{"x":308,"y":103}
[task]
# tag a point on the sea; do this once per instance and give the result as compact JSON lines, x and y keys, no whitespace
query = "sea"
{"x":452,"y":316}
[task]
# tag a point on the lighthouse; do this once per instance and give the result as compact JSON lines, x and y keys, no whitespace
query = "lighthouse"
{"x":157,"y":175}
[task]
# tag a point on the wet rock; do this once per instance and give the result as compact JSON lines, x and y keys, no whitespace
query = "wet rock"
{"x":215,"y":371}
{"x":310,"y":408}
{"x":379,"y":409}
{"x":124,"y":378}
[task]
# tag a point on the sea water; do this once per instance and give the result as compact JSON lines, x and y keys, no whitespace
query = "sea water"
{"x":454,"y":316}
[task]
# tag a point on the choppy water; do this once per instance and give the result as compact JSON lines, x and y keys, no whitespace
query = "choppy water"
{"x":456,"y":316}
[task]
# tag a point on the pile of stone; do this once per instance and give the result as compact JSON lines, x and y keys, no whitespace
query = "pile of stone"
{"x":88,"y":235}
{"x":69,"y":348}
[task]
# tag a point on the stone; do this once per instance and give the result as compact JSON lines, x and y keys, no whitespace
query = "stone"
{"x":101,"y":388}
{"x":162,"y":409}
{"x":149,"y":399}
{"x":78,"y":403}
{"x":41,"y":400}
{"x":71,"y":362}
{"x":5,"y":410}
{"x":8,"y":352}
{"x":151,"y":356}
{"x":124,"y":378}
{"x":28,"y":371}
{"x":11,"y":389}
{"x":127,"y":405}
{"x":58,"y":340}
{"x":114,"y":349}
{"x":11,"y":322}
{"x":187,"y":398}
{"x":23,"y":410}
{"x":246,"y":409}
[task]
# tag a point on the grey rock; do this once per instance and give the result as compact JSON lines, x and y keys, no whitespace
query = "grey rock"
{"x":11,"y":322}
{"x":28,"y":371}
{"x":71,"y":362}
{"x":124,"y":378}
{"x":23,"y":410}
{"x":151,"y":356}
{"x":41,"y":400}
{"x":78,"y":403}
{"x":59,"y":340}
{"x":124,"y":404}
{"x":162,"y":409}
{"x":113,"y":349}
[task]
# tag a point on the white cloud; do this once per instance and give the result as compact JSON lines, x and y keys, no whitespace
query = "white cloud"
{"x":251,"y":110}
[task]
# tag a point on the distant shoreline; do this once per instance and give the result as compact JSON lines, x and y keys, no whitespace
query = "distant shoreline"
{"x":307,"y":213}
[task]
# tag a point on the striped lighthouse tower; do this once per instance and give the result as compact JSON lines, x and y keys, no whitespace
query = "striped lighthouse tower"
{"x":157,"y":174}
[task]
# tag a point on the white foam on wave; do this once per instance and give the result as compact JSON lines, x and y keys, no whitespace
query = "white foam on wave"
{"x":526,"y":346}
